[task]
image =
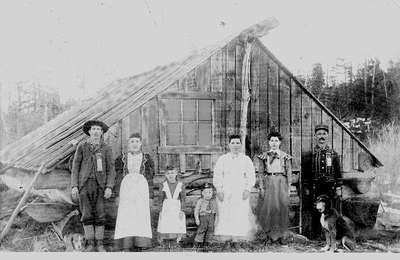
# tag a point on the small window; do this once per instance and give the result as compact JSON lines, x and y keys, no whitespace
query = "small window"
{"x":188,"y":122}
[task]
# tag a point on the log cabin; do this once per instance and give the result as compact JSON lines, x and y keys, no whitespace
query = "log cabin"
{"x":185,"y":112}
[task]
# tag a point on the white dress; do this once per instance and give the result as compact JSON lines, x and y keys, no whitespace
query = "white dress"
{"x":133,"y":217}
{"x":232,"y":176}
{"x":169,"y":221}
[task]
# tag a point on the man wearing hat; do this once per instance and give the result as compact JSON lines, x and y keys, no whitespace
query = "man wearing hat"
{"x":321,"y":174}
{"x":92,"y":180}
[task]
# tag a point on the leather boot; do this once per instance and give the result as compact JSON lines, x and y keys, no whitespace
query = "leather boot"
{"x":99,"y":235}
{"x":89,"y":236}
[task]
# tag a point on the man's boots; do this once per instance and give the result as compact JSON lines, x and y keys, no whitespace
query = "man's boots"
{"x":99,"y":238}
{"x":89,"y":236}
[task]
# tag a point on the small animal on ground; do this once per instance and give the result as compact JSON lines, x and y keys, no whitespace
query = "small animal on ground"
{"x":334,"y":226}
{"x":74,"y":242}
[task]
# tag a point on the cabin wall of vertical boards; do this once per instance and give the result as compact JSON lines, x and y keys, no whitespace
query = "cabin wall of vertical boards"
{"x":188,"y":125}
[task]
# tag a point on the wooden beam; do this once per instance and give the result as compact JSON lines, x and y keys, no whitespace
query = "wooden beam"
{"x":21,"y":202}
{"x":191,"y":95}
{"x":193,"y":149}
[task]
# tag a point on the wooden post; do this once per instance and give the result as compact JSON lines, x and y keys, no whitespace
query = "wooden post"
{"x":21,"y":202}
{"x":245,"y":93}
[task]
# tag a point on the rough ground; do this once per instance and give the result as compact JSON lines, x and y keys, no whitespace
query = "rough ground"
{"x":27,"y":235}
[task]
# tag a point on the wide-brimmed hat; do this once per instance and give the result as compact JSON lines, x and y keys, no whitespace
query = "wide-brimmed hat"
{"x":321,"y":127}
{"x":207,"y":185}
{"x":86,"y":126}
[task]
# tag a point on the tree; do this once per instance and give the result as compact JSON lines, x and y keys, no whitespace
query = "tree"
{"x":317,"y":81}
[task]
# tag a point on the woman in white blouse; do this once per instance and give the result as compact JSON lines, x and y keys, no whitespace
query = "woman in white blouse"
{"x":274,"y":169}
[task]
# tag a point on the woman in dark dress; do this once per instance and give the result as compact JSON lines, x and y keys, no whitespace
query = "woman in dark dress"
{"x":274,"y":169}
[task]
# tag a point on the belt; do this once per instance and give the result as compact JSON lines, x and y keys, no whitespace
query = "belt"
{"x":274,"y":173}
{"x":206,"y":214}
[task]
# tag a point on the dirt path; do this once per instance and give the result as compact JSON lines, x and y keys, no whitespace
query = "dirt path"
{"x":27,"y":235}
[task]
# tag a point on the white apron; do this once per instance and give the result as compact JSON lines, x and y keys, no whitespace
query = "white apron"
{"x":169,"y":221}
{"x":133,"y":217}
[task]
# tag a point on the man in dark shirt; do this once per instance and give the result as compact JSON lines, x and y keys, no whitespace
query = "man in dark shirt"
{"x":92,"y":180}
{"x":321,"y":175}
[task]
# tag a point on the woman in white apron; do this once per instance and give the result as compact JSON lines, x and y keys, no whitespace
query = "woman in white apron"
{"x":133,"y":223}
{"x":172,"y":221}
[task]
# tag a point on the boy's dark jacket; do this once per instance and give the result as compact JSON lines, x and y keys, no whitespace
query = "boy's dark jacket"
{"x":84,"y":163}
{"x":146,"y":169}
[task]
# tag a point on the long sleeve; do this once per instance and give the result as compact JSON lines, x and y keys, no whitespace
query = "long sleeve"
{"x":250,"y":174}
{"x":259,"y":168}
{"x":110,"y":169}
{"x":150,"y":176}
{"x":218,"y":174}
{"x":288,"y":168}
{"x":258,"y":165}
{"x":76,"y":165}
{"x":182,"y":196}
{"x":161,"y":193}
{"x":197,"y":209}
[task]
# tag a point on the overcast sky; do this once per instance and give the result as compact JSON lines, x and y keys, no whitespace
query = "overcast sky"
{"x":64,"y":44}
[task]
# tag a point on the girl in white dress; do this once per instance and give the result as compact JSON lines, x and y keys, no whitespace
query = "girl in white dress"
{"x":172,"y":221}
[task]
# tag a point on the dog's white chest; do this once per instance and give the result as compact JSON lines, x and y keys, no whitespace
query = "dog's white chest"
{"x":324,"y":223}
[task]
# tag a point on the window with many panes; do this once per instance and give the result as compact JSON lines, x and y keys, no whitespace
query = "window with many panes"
{"x":188,"y":121}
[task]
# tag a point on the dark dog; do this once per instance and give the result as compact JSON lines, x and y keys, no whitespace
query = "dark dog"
{"x":334,"y":226}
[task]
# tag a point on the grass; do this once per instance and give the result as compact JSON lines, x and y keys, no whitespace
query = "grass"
{"x":386,"y":146}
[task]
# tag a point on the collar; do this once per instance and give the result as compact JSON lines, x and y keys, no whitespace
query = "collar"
{"x":321,"y":149}
{"x":274,"y":153}
{"x":233,"y":156}
{"x":135,"y":154}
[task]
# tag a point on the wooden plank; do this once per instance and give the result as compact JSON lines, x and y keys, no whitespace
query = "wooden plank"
{"x":337,"y":141}
{"x":188,"y":82}
{"x":356,"y":151}
{"x":254,"y":110}
{"x":273,"y":96}
{"x":162,"y":123}
{"x":190,"y":149}
{"x":174,"y":87}
{"x":263,"y":100}
{"x":306,"y":129}
{"x":296,"y":125}
{"x":192,"y":162}
{"x":182,"y":162}
{"x":113,"y":138}
{"x":146,"y":124}
{"x":218,"y":69}
{"x":217,"y":73}
{"x":21,"y":202}
{"x":125,"y":133}
{"x":217,"y":121}
{"x":347,"y":152}
{"x":316,"y":116}
{"x":238,"y":84}
{"x":191,"y":95}
{"x":203,"y":76}
{"x":284,"y":109}
{"x":168,"y":160}
{"x":205,"y":162}
{"x":230,"y":91}
{"x":135,"y":122}
{"x":327,"y":120}
{"x":153,"y":129}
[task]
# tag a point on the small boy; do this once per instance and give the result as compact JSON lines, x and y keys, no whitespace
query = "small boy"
{"x":205,"y":214}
